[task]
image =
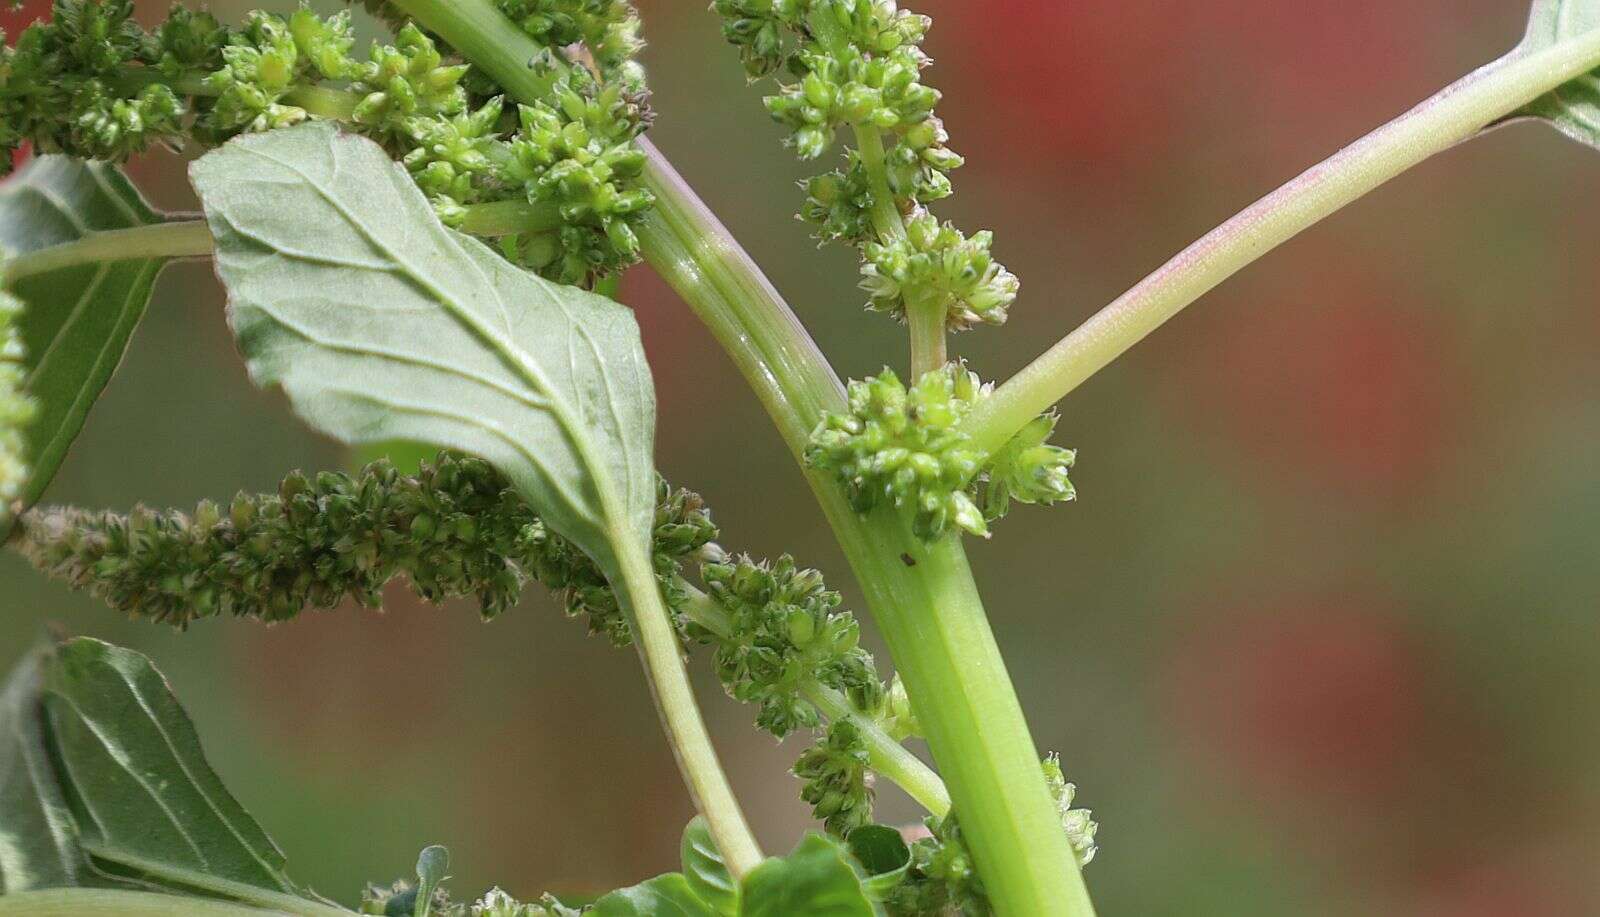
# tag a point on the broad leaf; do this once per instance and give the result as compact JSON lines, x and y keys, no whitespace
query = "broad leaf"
{"x":663,"y":896}
{"x":1573,"y":108}
{"x":79,"y":319}
{"x":38,"y":845}
{"x":146,"y":804}
{"x":883,"y":853}
{"x":817,"y":879}
{"x":705,"y":870}
{"x":382,"y":324}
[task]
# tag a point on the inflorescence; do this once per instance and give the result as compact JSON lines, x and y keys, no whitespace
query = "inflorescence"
{"x":903,"y":447}
{"x":458,"y":529}
{"x":454,"y":529}
{"x":16,"y":408}
{"x":857,"y":65}
{"x":91,"y":82}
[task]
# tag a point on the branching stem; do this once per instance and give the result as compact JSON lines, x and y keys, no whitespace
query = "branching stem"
{"x":175,"y":239}
{"x":1457,"y":113}
{"x":888,"y":757}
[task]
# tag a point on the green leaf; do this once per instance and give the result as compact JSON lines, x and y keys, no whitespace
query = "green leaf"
{"x":38,"y":844}
{"x":1573,"y":108}
{"x":382,"y":324}
{"x":432,"y":864}
{"x":817,"y":880}
{"x":79,"y":319}
{"x":705,"y":870}
{"x":145,"y":802}
{"x":883,"y":853}
{"x":663,"y":896}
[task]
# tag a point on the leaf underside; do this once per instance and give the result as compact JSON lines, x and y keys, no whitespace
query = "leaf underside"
{"x":103,"y":783}
{"x":382,"y":324}
{"x":1574,"y":107}
{"x":78,"y":321}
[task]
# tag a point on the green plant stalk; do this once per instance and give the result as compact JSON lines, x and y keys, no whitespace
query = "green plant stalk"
{"x":887,"y":757}
{"x":92,"y":902}
{"x":928,"y":609}
{"x":657,"y":641}
{"x":176,"y":239}
{"x":1453,"y":115}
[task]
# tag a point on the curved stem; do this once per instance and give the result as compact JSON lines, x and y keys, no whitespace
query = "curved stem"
{"x":91,"y":902}
{"x":885,"y":755}
{"x":691,"y":249}
{"x":176,"y":239}
{"x":657,"y":642}
{"x":1455,"y":114}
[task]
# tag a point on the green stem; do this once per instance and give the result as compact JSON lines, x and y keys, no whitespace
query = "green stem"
{"x":700,"y":259}
{"x":927,"y":338}
{"x":928,"y":611}
{"x":657,"y":642}
{"x":91,"y":902}
{"x":176,"y":239}
{"x":885,"y":755}
{"x":504,"y":218}
{"x":1455,"y":114}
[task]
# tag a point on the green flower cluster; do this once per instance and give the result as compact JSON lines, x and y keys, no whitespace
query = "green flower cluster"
{"x":857,"y":64}
{"x":454,"y":529}
{"x":935,"y":263}
{"x":904,"y":447}
{"x":1079,"y":824}
{"x":783,"y":634}
{"x":16,"y":408}
{"x":73,"y":84}
{"x":400,"y":900}
{"x":90,"y":82}
{"x":609,"y":29}
{"x":837,"y":784}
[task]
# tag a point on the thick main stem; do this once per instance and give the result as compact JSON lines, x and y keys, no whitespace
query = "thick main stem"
{"x":1455,"y":114}
{"x":928,"y":610}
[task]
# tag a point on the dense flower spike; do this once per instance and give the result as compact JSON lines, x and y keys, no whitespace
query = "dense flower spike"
{"x":16,"y":409}
{"x":91,"y":82}
{"x":858,"y":66}
{"x":903,"y":447}
{"x":455,"y":529}
{"x":575,"y":152}
{"x":838,"y":784}
{"x":784,"y":634}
